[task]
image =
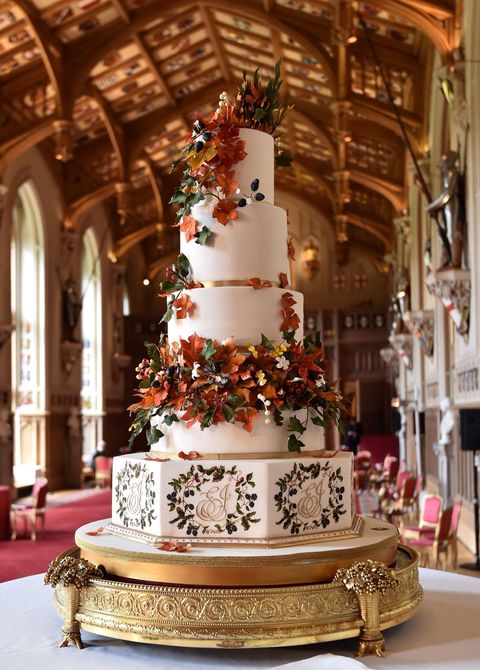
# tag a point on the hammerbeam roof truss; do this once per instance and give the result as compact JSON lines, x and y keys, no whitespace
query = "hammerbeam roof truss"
{"x":125,"y":78}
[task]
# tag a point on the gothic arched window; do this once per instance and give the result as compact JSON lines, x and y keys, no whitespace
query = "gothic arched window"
{"x":28,"y":355}
{"x":92,"y":378}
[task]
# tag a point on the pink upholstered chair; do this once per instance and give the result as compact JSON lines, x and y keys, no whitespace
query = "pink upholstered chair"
{"x":31,"y":511}
{"x":452,"y":537}
{"x":429,"y":519}
{"x":431,"y":546}
{"x":103,"y":471}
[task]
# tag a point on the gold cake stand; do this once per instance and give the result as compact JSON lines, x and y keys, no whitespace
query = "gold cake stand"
{"x":360,"y":601}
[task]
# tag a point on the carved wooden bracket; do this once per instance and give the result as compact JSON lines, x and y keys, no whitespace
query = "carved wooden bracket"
{"x":421,"y":325}
{"x":453,"y":288}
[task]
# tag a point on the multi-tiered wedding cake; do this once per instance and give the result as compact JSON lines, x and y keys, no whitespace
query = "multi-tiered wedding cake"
{"x":235,"y":402}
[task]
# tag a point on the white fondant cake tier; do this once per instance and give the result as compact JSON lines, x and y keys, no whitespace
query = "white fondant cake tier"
{"x":231,"y":438}
{"x":258,"y":501}
{"x":235,"y":311}
{"x":254,"y":245}
{"x":259,"y":163}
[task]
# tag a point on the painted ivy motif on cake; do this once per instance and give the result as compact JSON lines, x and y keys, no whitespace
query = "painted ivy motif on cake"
{"x":309,"y":497}
{"x":212,"y":500}
{"x":135,"y":495}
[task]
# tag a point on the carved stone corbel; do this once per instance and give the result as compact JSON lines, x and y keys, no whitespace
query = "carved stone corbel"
{"x":70,"y":353}
{"x":6,"y":330}
{"x":421,"y":325}
{"x":403,"y":345}
{"x":453,"y":287}
{"x":120,"y":363}
{"x":403,"y":228}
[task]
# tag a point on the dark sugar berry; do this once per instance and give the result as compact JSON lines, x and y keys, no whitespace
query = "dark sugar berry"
{"x":251,"y":504}
{"x":198,"y":125}
{"x":216,"y":367}
{"x":171,"y":370}
{"x":322,"y":402}
{"x":242,"y":202}
{"x":234,"y":528}
{"x":255,"y":184}
{"x":155,"y":384}
{"x":189,"y":531}
{"x":259,"y":196}
{"x":254,"y":496}
{"x":207,"y":136}
{"x":199,"y":146}
{"x":195,"y":532}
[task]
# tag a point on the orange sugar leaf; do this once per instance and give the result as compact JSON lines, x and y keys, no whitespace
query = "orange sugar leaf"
{"x":183,"y":306}
{"x":188,"y":226}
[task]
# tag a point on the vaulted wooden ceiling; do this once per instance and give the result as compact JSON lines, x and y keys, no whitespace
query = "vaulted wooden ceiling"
{"x":110,"y":87}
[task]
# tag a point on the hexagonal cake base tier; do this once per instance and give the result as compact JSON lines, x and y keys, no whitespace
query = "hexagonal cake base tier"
{"x":276,"y":501}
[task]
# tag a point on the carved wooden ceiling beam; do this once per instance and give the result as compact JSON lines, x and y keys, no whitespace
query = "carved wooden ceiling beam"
{"x":425,"y":22}
{"x":128,"y":241}
{"x":115,"y":133}
{"x":82,"y":205}
{"x":373,"y":227}
{"x":391,"y":191}
{"x":51,"y":51}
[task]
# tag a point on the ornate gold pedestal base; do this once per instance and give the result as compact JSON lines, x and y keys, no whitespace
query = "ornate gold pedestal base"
{"x":239,"y":617}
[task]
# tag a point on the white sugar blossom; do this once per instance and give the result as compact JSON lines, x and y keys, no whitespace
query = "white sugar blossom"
{"x":320,"y":381}
{"x":261,"y":397}
{"x":195,"y":372}
{"x":282,"y":362}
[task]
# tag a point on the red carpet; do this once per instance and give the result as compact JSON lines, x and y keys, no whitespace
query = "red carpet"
{"x":23,"y":557}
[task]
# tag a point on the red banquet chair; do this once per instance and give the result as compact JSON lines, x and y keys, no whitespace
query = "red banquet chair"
{"x":31,"y":511}
{"x":429,"y":519}
{"x":431,"y":546}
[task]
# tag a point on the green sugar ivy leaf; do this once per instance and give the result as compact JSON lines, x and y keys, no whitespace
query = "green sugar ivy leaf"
{"x":268,"y":344}
{"x":283,"y":160}
{"x":183,"y":265}
{"x":295,"y":425}
{"x":208,"y":420}
{"x":152,"y":351}
{"x":178,"y":198}
{"x":168,"y":419}
{"x":168,"y":315}
{"x":208,"y":350}
{"x":153,"y":435}
{"x":229,"y":414}
{"x":288,"y":336}
{"x":204,"y":235}
{"x":259,"y":114}
{"x":294,"y":444}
